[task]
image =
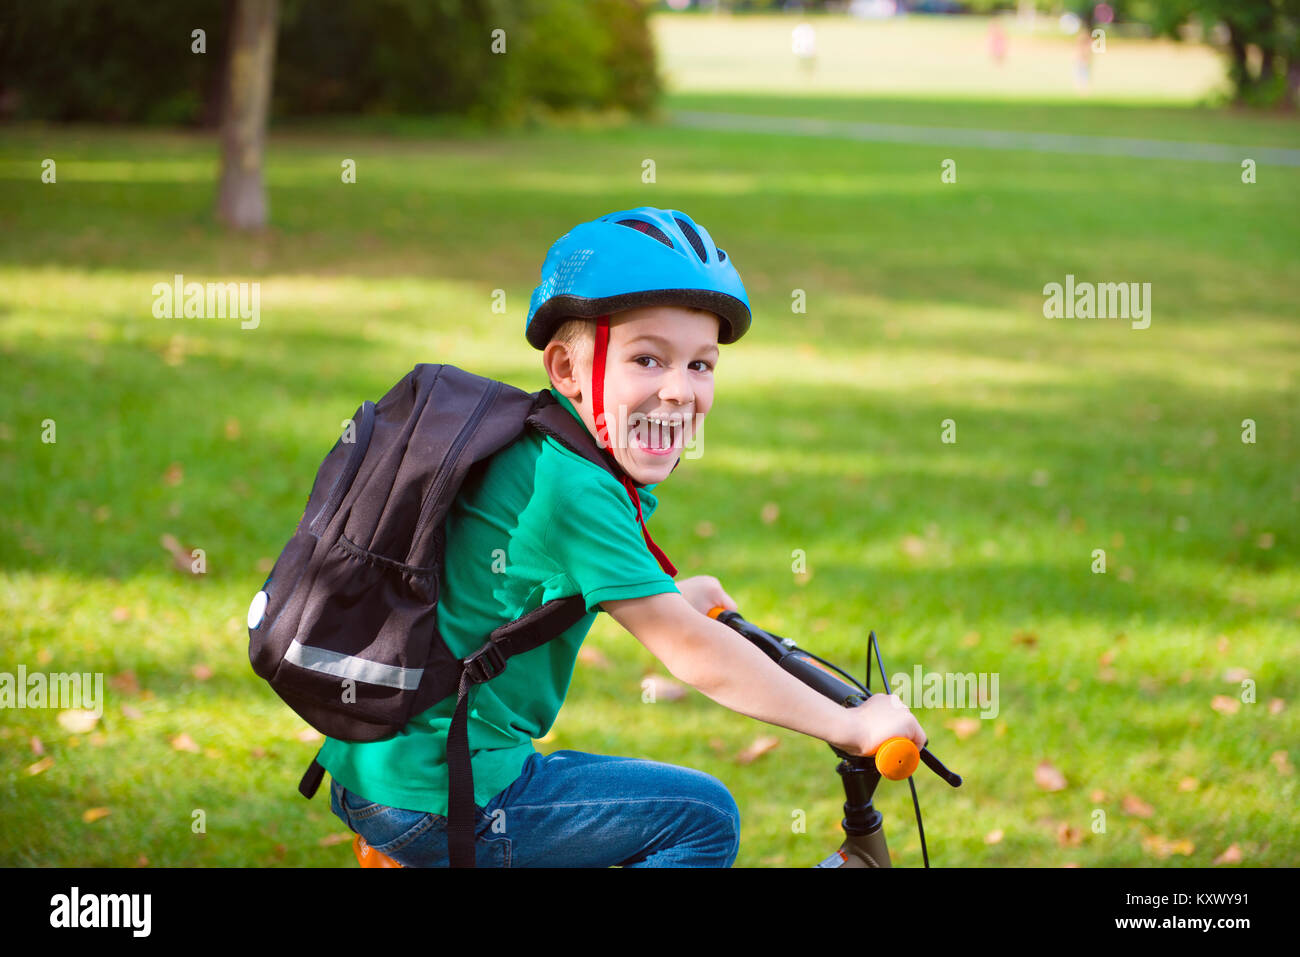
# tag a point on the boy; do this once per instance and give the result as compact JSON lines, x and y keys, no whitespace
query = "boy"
{"x":629,"y":316}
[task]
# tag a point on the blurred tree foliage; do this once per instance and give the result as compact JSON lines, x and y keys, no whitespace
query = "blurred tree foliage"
{"x":134,"y":60}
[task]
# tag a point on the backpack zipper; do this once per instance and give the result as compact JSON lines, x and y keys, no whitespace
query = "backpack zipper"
{"x":449,"y":463}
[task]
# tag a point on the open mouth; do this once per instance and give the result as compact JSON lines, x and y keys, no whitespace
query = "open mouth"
{"x":659,"y":437}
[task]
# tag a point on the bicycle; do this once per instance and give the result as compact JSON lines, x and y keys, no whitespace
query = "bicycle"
{"x":896,"y":759}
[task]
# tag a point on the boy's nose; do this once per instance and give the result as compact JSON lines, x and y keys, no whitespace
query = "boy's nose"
{"x":677,"y":387}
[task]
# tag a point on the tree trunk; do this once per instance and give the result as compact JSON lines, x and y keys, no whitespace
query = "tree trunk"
{"x":1239,"y":69}
{"x":1293,"y":82}
{"x":241,"y":198}
{"x":1267,"y":56}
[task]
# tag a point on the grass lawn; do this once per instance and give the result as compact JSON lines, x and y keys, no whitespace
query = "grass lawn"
{"x":924,"y":303}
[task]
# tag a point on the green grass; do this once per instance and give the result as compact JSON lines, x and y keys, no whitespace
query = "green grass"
{"x":924,"y":303}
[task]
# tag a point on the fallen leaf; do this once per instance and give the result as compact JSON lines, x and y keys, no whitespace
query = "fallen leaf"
{"x":1026,"y":638}
{"x":1048,"y":778}
{"x":37,"y":747}
{"x":135,"y":714}
{"x":1039,"y":478}
{"x":1098,"y":796}
{"x":1276,"y":705}
{"x":590,"y":655}
{"x":174,"y":475}
{"x":913,"y":546}
{"x":1156,"y":845}
{"x":970,"y":639}
{"x":1183,"y":847}
{"x":1068,"y":836}
{"x":1222,"y":643}
{"x":963,"y":727}
{"x":663,"y":689}
{"x":125,"y":683}
{"x":90,"y":815}
{"x":44,"y":764}
{"x":993,"y":837}
{"x":1231,"y":856}
{"x":771,"y":511}
{"x":705,"y":529}
{"x":759,"y":747}
{"x":78,"y":722}
{"x":308,"y":735}
{"x":183,"y":742}
{"x":1188,"y":784}
{"x":121,"y":613}
{"x":1236,"y":675}
{"x":258,"y":753}
{"x":182,"y":558}
{"x":1225,"y":705}
{"x":718,"y":745}
{"x":142,"y":861}
{"x":201,"y":672}
{"x":1280,"y":761}
{"x":1107,"y":657}
{"x":98,"y":740}
{"x":1265,"y":540}
{"x":331,"y":839}
{"x":232,"y":429}
{"x":1134,"y":805}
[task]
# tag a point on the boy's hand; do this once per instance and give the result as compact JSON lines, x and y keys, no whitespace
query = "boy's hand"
{"x":879,"y":718}
{"x":704,"y":592}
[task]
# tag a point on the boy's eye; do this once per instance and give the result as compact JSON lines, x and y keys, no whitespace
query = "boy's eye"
{"x":707,"y":366}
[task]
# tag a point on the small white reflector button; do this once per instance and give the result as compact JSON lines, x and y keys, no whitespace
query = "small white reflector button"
{"x":257,"y":609}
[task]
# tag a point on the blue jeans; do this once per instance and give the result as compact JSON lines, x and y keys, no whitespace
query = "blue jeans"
{"x":570,"y":809}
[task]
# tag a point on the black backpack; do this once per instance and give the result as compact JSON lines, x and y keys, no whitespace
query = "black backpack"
{"x":345,"y":628}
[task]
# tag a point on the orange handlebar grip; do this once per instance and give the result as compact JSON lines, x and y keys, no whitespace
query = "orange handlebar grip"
{"x":897,"y":758}
{"x":715,"y":611}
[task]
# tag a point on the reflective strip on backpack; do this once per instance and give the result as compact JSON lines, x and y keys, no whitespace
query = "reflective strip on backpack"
{"x":350,"y":666}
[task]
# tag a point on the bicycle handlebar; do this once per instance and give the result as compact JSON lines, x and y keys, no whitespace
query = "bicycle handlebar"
{"x":896,"y":758}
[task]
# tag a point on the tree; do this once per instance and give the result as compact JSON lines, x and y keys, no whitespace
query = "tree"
{"x":1272,"y":27}
{"x":241,"y":196}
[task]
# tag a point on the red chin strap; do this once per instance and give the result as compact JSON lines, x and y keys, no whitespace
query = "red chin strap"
{"x":602,"y":438}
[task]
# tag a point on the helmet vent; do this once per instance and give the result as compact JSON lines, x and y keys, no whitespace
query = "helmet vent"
{"x":696,"y":243}
{"x":650,"y":229}
{"x":721,"y":255}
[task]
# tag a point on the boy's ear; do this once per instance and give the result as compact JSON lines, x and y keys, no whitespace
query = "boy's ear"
{"x":563,"y":371}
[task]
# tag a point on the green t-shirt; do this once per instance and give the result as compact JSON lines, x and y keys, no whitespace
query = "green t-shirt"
{"x":537,"y":522}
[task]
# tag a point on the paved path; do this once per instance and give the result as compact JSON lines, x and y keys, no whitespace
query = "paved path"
{"x":988,"y":139}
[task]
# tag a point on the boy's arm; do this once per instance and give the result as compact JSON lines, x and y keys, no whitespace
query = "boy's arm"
{"x":724,"y":666}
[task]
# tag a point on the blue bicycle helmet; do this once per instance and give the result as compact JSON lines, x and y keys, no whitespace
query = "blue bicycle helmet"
{"x":636,"y":257}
